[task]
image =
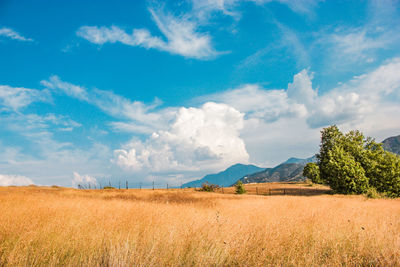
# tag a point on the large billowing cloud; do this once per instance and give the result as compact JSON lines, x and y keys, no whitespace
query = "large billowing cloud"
{"x":351,"y":102}
{"x":7,"y":180}
{"x":283,"y":123}
{"x":255,"y":102}
{"x":199,"y":138}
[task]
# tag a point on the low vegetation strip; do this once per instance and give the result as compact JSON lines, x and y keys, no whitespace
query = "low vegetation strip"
{"x":67,"y":227}
{"x":267,"y":189}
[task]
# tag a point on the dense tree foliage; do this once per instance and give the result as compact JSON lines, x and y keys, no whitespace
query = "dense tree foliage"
{"x":353,"y":164}
{"x":311,"y":171}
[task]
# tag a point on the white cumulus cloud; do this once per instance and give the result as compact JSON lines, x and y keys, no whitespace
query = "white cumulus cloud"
{"x":7,"y":180}
{"x":255,"y":102}
{"x":199,"y":138}
{"x":281,"y":123}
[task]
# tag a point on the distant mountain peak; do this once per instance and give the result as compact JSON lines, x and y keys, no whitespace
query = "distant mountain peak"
{"x":392,"y":144}
{"x":301,"y":161}
{"x":227,"y":176}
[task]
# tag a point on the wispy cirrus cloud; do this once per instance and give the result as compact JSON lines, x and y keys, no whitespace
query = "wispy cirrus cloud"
{"x":10,"y":33}
{"x":348,"y":45}
{"x":16,"y":98}
{"x":180,"y":36}
{"x":139,"y":115}
{"x":230,"y":7}
{"x":55,"y":83}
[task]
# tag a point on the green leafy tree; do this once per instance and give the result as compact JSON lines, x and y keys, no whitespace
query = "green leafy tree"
{"x":311,"y":171}
{"x":346,"y":175}
{"x":329,"y":138}
{"x":353,"y":164}
{"x":387,"y":175}
{"x":240,"y":188}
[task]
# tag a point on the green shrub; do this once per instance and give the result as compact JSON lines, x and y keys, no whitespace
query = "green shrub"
{"x":206,"y":187}
{"x":240,"y":188}
{"x":109,"y":187}
{"x":372,"y":193}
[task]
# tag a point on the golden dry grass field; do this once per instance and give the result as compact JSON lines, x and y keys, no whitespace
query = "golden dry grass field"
{"x":44,"y":226}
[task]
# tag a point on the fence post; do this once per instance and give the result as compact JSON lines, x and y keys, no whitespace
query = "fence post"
{"x":257,"y":190}
{"x":167,"y":186}
{"x":284,"y":191}
{"x":126,"y":184}
{"x":153,"y":185}
{"x":140,"y":188}
{"x":119,"y":185}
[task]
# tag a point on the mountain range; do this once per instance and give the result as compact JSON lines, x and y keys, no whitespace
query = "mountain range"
{"x":226,"y":177}
{"x":392,"y":144}
{"x":301,"y":161}
{"x":290,"y":170}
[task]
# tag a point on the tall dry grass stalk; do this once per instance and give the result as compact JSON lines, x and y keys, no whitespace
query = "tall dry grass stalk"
{"x":66,"y":227}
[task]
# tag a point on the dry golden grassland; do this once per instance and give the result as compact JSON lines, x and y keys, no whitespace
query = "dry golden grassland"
{"x":42,"y":226}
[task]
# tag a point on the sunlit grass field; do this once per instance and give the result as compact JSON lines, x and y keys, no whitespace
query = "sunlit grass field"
{"x":44,"y":226}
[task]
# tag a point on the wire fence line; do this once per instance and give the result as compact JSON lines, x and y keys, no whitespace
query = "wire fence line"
{"x":265,"y":189}
{"x":130,"y":185}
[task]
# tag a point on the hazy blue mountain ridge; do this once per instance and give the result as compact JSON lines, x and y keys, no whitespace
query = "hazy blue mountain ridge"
{"x":226,"y":177}
{"x":392,"y":144}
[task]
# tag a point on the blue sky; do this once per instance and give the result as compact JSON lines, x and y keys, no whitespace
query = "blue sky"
{"x":92,"y":91}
